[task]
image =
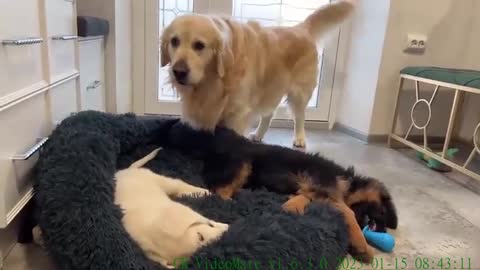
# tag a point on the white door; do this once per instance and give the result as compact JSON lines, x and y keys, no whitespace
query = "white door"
{"x":161,"y":98}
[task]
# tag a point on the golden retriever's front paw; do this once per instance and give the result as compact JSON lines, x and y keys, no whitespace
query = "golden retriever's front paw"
{"x":255,"y":137}
{"x":299,"y":142}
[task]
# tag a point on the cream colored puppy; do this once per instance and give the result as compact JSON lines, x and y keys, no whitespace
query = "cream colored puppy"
{"x":227,"y":72}
{"x":166,"y":230}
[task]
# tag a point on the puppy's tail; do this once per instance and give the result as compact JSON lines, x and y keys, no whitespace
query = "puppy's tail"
{"x":139,"y":163}
{"x":328,"y":17}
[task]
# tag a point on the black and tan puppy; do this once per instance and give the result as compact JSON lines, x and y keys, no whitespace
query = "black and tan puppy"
{"x":232,"y":162}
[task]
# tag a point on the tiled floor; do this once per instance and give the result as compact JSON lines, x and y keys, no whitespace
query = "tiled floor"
{"x":439,"y":219}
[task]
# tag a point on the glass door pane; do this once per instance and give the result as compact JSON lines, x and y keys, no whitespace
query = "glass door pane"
{"x":168,"y":10}
{"x":288,"y":13}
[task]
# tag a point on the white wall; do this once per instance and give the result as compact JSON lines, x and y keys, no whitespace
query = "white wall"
{"x":118,"y":51}
{"x":471,"y":114}
{"x":376,"y":55}
{"x":123,"y":41}
{"x":452,"y":28}
{"x":104,"y":9}
{"x":363,"y":58}
{"x":473,"y":53}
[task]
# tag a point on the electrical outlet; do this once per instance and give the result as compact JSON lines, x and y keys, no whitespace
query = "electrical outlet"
{"x":416,"y":43}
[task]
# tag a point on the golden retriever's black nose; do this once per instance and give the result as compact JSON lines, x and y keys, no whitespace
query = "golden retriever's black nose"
{"x":180,"y":71}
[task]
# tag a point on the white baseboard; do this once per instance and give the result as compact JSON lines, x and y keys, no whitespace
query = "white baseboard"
{"x":368,"y":138}
{"x":277,"y":123}
{"x":19,"y":206}
{"x":316,"y":125}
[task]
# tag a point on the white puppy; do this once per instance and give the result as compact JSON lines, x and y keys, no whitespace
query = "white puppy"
{"x":166,"y":230}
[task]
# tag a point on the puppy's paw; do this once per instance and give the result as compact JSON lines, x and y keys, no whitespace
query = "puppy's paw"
{"x":197,"y":192}
{"x":170,"y":266}
{"x":296,"y":204}
{"x":37,"y":236}
{"x":166,"y":263}
{"x":225,"y":197}
{"x":202,"y":192}
{"x":299,"y":142}
{"x":226,"y":193}
{"x":365,"y":256}
{"x":255,"y":137}
{"x":222,"y":226}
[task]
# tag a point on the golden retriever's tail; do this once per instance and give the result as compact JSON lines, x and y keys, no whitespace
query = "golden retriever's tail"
{"x":328,"y":17}
{"x":139,"y":163}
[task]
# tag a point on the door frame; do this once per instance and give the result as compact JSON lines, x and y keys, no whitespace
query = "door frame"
{"x":138,"y":55}
{"x":140,"y":84}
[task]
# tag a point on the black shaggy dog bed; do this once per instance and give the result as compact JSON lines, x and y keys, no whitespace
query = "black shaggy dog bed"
{"x":82,"y":227}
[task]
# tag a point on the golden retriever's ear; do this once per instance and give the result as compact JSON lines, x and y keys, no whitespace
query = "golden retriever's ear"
{"x":224,"y":58}
{"x":164,"y":56}
{"x":223,"y":48}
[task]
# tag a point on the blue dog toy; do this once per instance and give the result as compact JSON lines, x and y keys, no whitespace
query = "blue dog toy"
{"x":381,"y":240}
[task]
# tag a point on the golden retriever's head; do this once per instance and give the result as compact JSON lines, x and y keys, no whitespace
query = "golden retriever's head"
{"x":196,"y":47}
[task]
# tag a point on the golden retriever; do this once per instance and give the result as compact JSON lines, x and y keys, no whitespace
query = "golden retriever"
{"x":227,"y":72}
{"x":167,"y":231}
